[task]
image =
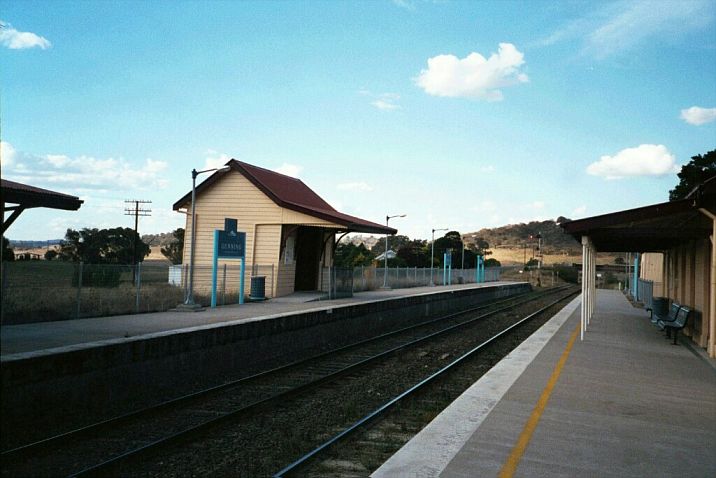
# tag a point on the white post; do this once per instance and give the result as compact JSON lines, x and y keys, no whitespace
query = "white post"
{"x":585,"y":275}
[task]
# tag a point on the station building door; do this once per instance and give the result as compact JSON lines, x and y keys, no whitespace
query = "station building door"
{"x":308,"y":256}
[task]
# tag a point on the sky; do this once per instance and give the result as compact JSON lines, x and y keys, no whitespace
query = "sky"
{"x":460,"y":115}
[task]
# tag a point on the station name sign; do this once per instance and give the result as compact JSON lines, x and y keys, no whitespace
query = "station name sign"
{"x":231,"y":244}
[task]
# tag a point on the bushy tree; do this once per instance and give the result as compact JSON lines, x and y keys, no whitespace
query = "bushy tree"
{"x":350,"y":255}
{"x":102,"y":246}
{"x":395,"y":243}
{"x":414,"y":253}
{"x":174,"y":251}
{"x":698,"y":170}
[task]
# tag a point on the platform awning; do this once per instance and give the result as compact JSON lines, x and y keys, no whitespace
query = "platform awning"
{"x":653,"y":228}
{"x":22,"y":196}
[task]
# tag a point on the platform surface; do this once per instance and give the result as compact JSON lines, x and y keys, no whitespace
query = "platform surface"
{"x":46,"y":336}
{"x":626,"y":403}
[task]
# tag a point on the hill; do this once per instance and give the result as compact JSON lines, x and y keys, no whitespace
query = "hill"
{"x":517,"y":236}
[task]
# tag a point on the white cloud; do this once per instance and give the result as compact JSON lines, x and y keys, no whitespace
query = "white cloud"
{"x":473,"y":76}
{"x":83,"y":172}
{"x":536,"y":205}
{"x":215,"y":159}
{"x":638,"y":22}
{"x":487,"y":169}
{"x":354,"y":186}
{"x":385,"y":105}
{"x":619,"y":27}
{"x":644,"y":160}
{"x":289,"y":170}
{"x":17,"y":40}
{"x":406,"y":4}
{"x":383,"y":101}
{"x":698,"y":116}
{"x":7,"y":154}
{"x":579,"y":211}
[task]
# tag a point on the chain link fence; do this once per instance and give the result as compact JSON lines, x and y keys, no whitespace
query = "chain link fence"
{"x":371,"y":278}
{"x":43,"y":291}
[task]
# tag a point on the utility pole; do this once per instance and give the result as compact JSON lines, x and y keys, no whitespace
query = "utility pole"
{"x":136,"y":211}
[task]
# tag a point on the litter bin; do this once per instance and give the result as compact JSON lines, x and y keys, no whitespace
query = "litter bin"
{"x":660,"y":306}
{"x":258,"y":288}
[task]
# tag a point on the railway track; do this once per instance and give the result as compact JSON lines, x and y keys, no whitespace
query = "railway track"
{"x":364,"y":445}
{"x":120,"y":443}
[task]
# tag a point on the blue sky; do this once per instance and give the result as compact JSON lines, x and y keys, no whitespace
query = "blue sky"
{"x":459,"y":114}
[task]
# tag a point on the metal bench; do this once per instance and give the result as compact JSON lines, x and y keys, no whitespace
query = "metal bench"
{"x":682,"y":317}
{"x":670,"y":317}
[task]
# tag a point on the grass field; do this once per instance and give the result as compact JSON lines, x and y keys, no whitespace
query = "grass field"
{"x":510,"y":256}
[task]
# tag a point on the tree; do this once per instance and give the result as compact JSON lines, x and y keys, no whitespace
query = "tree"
{"x":698,"y":170}
{"x":8,"y":254}
{"x":174,"y":251}
{"x":394,"y":244}
{"x":414,"y":253}
{"x":50,"y":254}
{"x":102,"y":246}
{"x":350,"y":255}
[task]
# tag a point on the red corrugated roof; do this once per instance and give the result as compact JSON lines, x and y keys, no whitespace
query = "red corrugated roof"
{"x":293,"y":194}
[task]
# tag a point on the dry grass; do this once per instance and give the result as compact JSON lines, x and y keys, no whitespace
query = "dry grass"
{"x":510,"y":256}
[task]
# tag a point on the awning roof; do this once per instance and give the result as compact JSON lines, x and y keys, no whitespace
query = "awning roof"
{"x":653,"y":228}
{"x":290,"y":193}
{"x":31,"y":196}
{"x":24,"y":197}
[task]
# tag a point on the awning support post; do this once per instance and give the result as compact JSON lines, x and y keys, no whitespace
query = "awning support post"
{"x":585,"y":275}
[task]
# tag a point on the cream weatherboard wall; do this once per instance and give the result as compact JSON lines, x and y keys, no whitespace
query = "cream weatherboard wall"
{"x":685,"y":272}
{"x":262,"y":220}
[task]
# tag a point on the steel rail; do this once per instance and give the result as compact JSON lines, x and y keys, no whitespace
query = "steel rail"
{"x":34,"y":447}
{"x":254,"y":407}
{"x":389,"y":404}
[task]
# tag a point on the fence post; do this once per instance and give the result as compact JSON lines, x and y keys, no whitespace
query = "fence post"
{"x":139,"y":286}
{"x":273,"y":292}
{"x":79,"y":290}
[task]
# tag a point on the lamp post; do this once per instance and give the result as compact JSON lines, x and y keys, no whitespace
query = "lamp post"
{"x":385,"y":275}
{"x":189,"y":301}
{"x":432,"y":254}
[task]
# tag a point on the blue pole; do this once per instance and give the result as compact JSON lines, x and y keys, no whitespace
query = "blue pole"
{"x":444,"y":267}
{"x":215,"y":265}
{"x":241,"y":281}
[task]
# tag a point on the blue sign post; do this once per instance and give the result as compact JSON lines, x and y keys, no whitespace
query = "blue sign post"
{"x":479,"y":269}
{"x":228,"y":244}
{"x":447,"y":267}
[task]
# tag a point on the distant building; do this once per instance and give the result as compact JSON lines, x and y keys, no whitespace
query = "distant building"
{"x":289,"y":228}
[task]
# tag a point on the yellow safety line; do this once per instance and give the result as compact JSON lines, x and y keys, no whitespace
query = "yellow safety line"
{"x":510,"y":466}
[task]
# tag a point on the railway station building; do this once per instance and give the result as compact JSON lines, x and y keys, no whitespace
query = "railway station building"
{"x":675,"y":243}
{"x":290,"y":230}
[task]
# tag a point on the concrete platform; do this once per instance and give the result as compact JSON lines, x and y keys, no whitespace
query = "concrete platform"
{"x":102,"y":365}
{"x":45,"y":336}
{"x":625,"y":403}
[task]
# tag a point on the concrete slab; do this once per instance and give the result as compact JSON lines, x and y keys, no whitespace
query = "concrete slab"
{"x":46,"y":336}
{"x":628,"y":403}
